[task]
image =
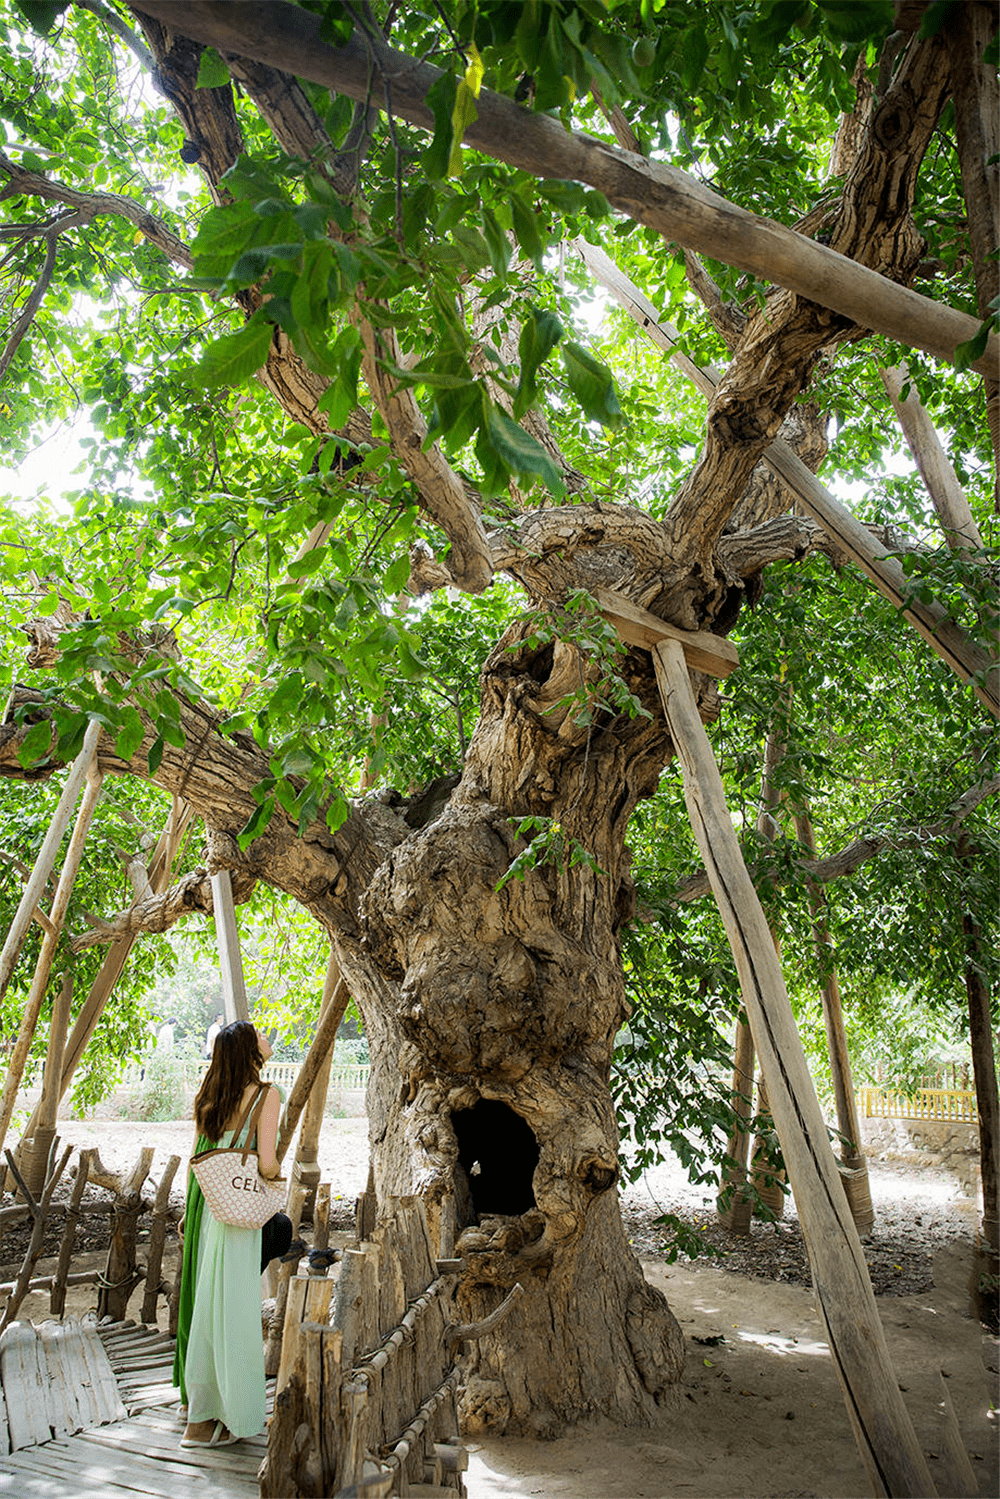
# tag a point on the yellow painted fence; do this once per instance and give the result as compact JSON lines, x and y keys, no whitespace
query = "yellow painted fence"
{"x":958,"y":1104}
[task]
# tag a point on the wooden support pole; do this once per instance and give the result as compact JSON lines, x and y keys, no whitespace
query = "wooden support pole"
{"x":234,"y":993}
{"x":941,"y":481}
{"x":330,"y":1017}
{"x":882,"y":1427}
{"x":47,"y":856}
{"x":111,"y":969}
{"x":48,"y":1104}
{"x":272,"y":1348}
{"x":306,"y":1153}
{"x":43,"y":968}
{"x":157,"y":1234}
{"x":33,"y":1151}
{"x":57,"y":1297}
{"x":855,"y":1167}
{"x":665,"y":199}
{"x":122,"y":1275}
{"x":967,"y":660}
{"x":737,"y":1214}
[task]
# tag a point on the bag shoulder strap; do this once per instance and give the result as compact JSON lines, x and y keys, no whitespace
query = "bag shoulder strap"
{"x":253,"y":1113}
{"x":251,"y":1105}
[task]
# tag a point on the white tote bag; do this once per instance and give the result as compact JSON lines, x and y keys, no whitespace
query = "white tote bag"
{"x":230,"y":1180}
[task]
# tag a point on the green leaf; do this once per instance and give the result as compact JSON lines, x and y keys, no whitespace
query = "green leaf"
{"x":235,"y":357}
{"x":497,"y":242}
{"x":396,"y":575}
{"x":526,"y":231}
{"x":298,"y":762}
{"x":35,"y":745}
{"x":310,"y":297}
{"x":309,"y":563}
{"x":593,"y":385}
{"x":256,"y":823}
{"x":539,"y":336}
{"x":974,"y":348}
{"x":463,"y":114}
{"x":155,"y":755}
{"x":41,"y":15}
{"x":440,"y":100}
{"x":212,"y":71}
{"x":520,"y":452}
{"x":130,"y":735}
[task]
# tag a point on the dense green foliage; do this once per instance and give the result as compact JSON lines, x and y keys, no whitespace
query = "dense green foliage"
{"x":193,"y":491}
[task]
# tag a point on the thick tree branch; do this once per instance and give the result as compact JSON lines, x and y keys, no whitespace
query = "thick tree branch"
{"x":872,"y":223}
{"x":284,"y":35}
{"x":860,"y":850}
{"x":34,"y":301}
{"x":441,"y":490}
{"x":216,"y":775}
{"x":93,"y":205}
{"x":947,"y":496}
{"x":158,"y":913}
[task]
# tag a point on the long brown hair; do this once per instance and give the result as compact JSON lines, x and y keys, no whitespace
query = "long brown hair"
{"x":236,"y":1061}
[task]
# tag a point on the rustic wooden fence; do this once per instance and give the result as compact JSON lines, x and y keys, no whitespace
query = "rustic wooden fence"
{"x":369,"y":1371}
{"x":125,"y":1205}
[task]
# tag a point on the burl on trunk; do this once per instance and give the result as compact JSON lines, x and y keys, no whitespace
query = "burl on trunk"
{"x":492,"y":1015}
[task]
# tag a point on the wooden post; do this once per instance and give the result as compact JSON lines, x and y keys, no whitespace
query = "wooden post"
{"x":306,"y":1153}
{"x":882,"y":1427}
{"x":984,"y":1070}
{"x":33,"y":1151}
{"x":47,"y":856}
{"x":947,"y":494}
{"x":111,"y":969}
{"x":322,"y":1044}
{"x":38,"y":1210}
{"x":57,"y":1297}
{"x":157,"y":1234}
{"x":771,"y":1193}
{"x":272,"y":1348}
{"x":121,"y":1275}
{"x":43,"y":968}
{"x":737,"y":1215}
{"x":234,"y":993}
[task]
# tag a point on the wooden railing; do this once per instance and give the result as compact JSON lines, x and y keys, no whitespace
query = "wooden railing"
{"x":958,"y":1104}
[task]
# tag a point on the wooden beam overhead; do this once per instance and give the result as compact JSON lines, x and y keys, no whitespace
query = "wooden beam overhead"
{"x":703,"y":651}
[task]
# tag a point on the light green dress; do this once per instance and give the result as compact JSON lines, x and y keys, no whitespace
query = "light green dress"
{"x":220,"y":1363}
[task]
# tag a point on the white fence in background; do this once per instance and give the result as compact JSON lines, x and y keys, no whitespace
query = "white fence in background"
{"x":345,"y":1077}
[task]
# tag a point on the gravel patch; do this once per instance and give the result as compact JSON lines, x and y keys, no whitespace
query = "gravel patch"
{"x":916,"y":1214}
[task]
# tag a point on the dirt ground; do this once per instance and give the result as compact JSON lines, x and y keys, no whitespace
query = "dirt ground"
{"x":758,"y":1412}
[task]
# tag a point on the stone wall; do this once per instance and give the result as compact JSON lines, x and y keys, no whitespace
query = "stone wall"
{"x":942,"y":1144}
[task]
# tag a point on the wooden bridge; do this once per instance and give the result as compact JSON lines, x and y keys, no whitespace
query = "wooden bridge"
{"x":90,"y":1409}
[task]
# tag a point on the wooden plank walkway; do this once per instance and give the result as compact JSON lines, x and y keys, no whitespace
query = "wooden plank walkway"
{"x":140,"y":1454}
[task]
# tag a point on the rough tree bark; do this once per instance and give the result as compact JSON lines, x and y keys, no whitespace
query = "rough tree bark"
{"x":492,"y":1015}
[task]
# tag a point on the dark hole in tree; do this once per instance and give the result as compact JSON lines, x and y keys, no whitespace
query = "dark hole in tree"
{"x":498,"y":1153}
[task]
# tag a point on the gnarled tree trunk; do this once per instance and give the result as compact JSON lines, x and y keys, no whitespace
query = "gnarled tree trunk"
{"x":492,"y":1016}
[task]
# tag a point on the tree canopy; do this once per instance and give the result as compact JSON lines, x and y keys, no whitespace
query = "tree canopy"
{"x":363,"y":435}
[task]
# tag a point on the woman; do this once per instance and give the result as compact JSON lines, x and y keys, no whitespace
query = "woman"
{"x":219,"y":1363}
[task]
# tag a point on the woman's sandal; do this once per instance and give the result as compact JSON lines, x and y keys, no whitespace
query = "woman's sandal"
{"x":215,"y":1440}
